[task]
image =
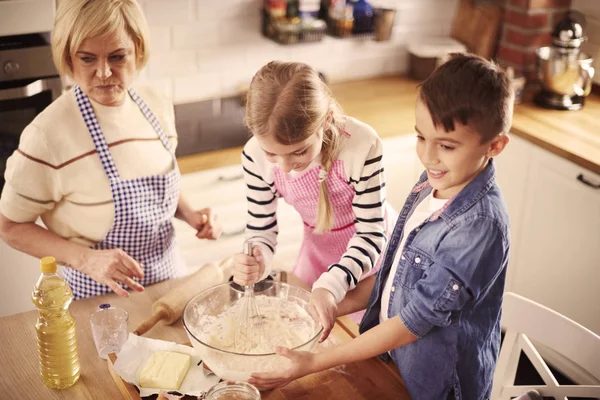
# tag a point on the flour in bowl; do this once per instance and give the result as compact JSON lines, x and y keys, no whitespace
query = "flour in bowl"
{"x":281,"y":323}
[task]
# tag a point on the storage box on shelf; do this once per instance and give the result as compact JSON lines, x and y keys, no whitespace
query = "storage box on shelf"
{"x":292,"y":30}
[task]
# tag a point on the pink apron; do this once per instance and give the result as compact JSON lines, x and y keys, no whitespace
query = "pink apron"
{"x":318,"y":252}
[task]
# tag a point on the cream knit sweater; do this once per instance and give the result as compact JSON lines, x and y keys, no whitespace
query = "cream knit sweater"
{"x":56,"y":173}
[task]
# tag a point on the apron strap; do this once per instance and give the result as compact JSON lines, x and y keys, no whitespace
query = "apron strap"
{"x":152,"y":119}
{"x":89,"y":116}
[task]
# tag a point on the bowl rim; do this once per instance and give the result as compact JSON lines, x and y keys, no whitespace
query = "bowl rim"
{"x":319,"y":332}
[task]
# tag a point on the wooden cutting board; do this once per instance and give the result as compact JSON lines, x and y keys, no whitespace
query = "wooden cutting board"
{"x":477,"y":26}
{"x":368,"y":379}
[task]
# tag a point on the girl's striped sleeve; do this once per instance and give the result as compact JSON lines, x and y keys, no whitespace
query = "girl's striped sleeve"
{"x":261,"y":197}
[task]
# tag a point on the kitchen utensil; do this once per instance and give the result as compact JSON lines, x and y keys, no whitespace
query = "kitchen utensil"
{"x":170,"y":306}
{"x":109,"y":329}
{"x":234,"y":366}
{"x":249,"y":318}
{"x":564,"y":71}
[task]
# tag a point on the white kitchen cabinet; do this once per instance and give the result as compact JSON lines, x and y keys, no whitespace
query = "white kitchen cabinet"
{"x":512,"y":167}
{"x":224,"y":190}
{"x":558,"y":255}
{"x":402,"y":168}
{"x":18,"y":273}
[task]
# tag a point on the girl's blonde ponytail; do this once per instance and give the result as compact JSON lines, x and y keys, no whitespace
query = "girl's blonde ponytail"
{"x":292,"y":103}
{"x":332,"y":136}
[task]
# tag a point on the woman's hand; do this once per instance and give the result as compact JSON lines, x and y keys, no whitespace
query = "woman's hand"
{"x":206,"y":223}
{"x":248,"y":269}
{"x":323,"y":304}
{"x":303,"y":363}
{"x":109,"y":266}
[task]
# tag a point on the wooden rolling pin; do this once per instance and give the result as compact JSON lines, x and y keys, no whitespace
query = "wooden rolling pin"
{"x":170,"y":306}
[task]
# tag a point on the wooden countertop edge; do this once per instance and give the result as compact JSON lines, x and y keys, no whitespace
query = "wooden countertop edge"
{"x":559,"y":151}
{"x":228,"y":157}
{"x":128,"y":391}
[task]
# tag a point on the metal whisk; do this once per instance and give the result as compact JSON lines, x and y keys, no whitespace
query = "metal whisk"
{"x":250,"y":318}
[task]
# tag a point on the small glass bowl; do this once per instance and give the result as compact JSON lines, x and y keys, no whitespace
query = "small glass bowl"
{"x":232,"y":391}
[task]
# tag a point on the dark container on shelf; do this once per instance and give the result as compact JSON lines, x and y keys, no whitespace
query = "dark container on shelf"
{"x":363,"y":17}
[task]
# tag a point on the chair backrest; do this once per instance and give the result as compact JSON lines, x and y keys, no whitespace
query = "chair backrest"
{"x":525,"y":321}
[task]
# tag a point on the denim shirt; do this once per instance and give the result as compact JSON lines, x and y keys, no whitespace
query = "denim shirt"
{"x":448,"y":291}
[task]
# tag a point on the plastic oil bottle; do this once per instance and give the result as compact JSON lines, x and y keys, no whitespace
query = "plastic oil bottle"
{"x":57,"y":343}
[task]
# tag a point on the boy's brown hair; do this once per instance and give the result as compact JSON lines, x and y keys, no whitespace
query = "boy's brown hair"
{"x":471,"y":90}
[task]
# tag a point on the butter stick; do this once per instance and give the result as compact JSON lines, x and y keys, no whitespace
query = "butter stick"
{"x":165,"y":370}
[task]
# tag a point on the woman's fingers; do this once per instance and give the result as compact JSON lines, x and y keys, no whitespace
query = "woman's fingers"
{"x":131,"y":264}
{"x":117,"y":288}
{"x":127,"y":281}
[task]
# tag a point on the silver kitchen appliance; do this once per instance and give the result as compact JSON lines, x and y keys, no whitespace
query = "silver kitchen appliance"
{"x":29,"y":82}
{"x":564,"y":70}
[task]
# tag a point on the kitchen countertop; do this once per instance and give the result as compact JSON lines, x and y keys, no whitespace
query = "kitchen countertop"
{"x":20,"y":377}
{"x":388,"y":103}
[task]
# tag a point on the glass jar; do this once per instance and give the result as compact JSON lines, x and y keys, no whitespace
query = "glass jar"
{"x":232,"y":391}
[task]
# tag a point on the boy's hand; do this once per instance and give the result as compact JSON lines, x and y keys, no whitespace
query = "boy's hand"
{"x":324,"y":306}
{"x":302,"y":364}
{"x":248,"y":269}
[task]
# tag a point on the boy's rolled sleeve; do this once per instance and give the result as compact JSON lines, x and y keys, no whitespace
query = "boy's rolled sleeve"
{"x":467,"y":261}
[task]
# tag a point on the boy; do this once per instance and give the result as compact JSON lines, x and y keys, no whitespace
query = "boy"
{"x":434,"y":306}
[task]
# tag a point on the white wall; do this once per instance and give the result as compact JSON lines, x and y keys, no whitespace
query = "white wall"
{"x":591,"y":10}
{"x":209,"y":48}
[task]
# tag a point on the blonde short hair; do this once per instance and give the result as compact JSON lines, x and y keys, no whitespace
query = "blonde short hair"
{"x":78,"y":20}
{"x":290,"y":102}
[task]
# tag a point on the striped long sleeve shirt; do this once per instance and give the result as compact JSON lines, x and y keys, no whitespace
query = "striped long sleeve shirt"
{"x":361,"y":157}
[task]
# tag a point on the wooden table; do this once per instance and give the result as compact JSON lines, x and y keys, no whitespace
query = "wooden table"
{"x":20,"y":378}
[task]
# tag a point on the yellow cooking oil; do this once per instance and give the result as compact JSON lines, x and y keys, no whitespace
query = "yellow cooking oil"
{"x":57,"y":343}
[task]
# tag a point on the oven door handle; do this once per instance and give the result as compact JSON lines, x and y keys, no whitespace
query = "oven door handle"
{"x":23,"y":92}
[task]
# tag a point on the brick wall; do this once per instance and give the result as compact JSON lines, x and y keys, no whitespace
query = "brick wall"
{"x":209,"y":48}
{"x":528,"y":24}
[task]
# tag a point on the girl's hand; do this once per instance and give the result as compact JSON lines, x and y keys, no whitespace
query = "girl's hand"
{"x":109,"y":266}
{"x":324,"y":306}
{"x":303,"y":363}
{"x":248,"y":269}
{"x":206,"y":223}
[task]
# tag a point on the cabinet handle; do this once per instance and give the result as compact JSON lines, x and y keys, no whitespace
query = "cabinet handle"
{"x":585,"y":181}
{"x":233,"y":233}
{"x":231,"y":178}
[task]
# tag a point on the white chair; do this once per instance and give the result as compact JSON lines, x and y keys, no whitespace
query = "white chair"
{"x":526,"y":322}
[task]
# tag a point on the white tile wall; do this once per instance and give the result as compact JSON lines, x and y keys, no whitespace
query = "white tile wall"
{"x":210,"y":48}
{"x":591,"y":10}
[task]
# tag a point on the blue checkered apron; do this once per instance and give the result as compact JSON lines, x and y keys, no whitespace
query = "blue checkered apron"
{"x":144,"y":208}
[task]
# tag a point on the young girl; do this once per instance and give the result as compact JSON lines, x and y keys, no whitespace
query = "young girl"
{"x":328,"y":167}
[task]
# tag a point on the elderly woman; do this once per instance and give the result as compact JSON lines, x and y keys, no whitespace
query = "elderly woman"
{"x":98,"y":165}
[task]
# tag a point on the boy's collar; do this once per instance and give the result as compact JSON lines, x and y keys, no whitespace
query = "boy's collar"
{"x":468,"y":196}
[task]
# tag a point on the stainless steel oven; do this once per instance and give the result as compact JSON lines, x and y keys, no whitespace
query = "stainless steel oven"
{"x":29,"y":82}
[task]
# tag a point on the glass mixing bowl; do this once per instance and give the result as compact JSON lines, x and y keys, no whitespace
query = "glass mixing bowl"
{"x":229,"y":365}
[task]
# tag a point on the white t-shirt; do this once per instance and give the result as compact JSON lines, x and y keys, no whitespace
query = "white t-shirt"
{"x":424,"y":209}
